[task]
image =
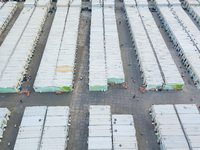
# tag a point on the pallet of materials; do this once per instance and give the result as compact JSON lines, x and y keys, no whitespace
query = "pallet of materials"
{"x":57,"y":67}
{"x":7,"y":12}
{"x":4,"y":117}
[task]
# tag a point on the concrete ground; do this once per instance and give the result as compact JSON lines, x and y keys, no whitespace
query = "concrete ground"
{"x":120,"y":99}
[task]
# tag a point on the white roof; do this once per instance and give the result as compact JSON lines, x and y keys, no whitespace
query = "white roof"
{"x":125,"y":143}
{"x":99,"y":110}
{"x":52,"y":143}
{"x":43,"y":2}
{"x":124,"y":133}
{"x":52,"y":134}
{"x":142,"y":3}
{"x":128,"y":131}
{"x":100,"y":131}
{"x":1,"y":4}
{"x":28,"y":143}
{"x":122,"y":120}
{"x":165,"y":60}
{"x":4,"y":111}
{"x":29,"y":3}
{"x":196,"y":10}
{"x":151,"y":72}
{"x":100,"y":120}
{"x":171,"y":131}
{"x":57,"y":65}
{"x":163,"y":109}
{"x":99,"y":143}
{"x":35,"y":111}
{"x":190,"y":118}
{"x":32,"y":121}
{"x":97,"y":46}
{"x":129,"y":3}
{"x":56,"y":128}
{"x":167,"y":125}
{"x":62,"y":3}
{"x":175,"y":142}
{"x":15,"y":61}
{"x":7,"y":46}
{"x":192,"y":129}
{"x":113,"y":53}
{"x":187,"y":109}
{"x":192,"y":2}
{"x":29,"y":132}
{"x":167,"y":119}
{"x":56,"y":121}
{"x":6,"y":10}
{"x":57,"y":111}
{"x":186,"y":44}
{"x":55,"y":132}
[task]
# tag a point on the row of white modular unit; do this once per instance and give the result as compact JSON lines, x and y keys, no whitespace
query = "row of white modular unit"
{"x":4,"y":117}
{"x":176,"y":127}
{"x":194,"y":9}
{"x":167,"y":2}
{"x":110,"y":132}
{"x":178,"y":25}
{"x":159,"y":70}
{"x":1,"y":4}
{"x":105,"y":56}
{"x":7,"y":12}
{"x":97,"y":66}
{"x":43,"y":128}
{"x":18,"y":47}
{"x":57,"y":67}
{"x":40,"y":3}
{"x":189,"y":3}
